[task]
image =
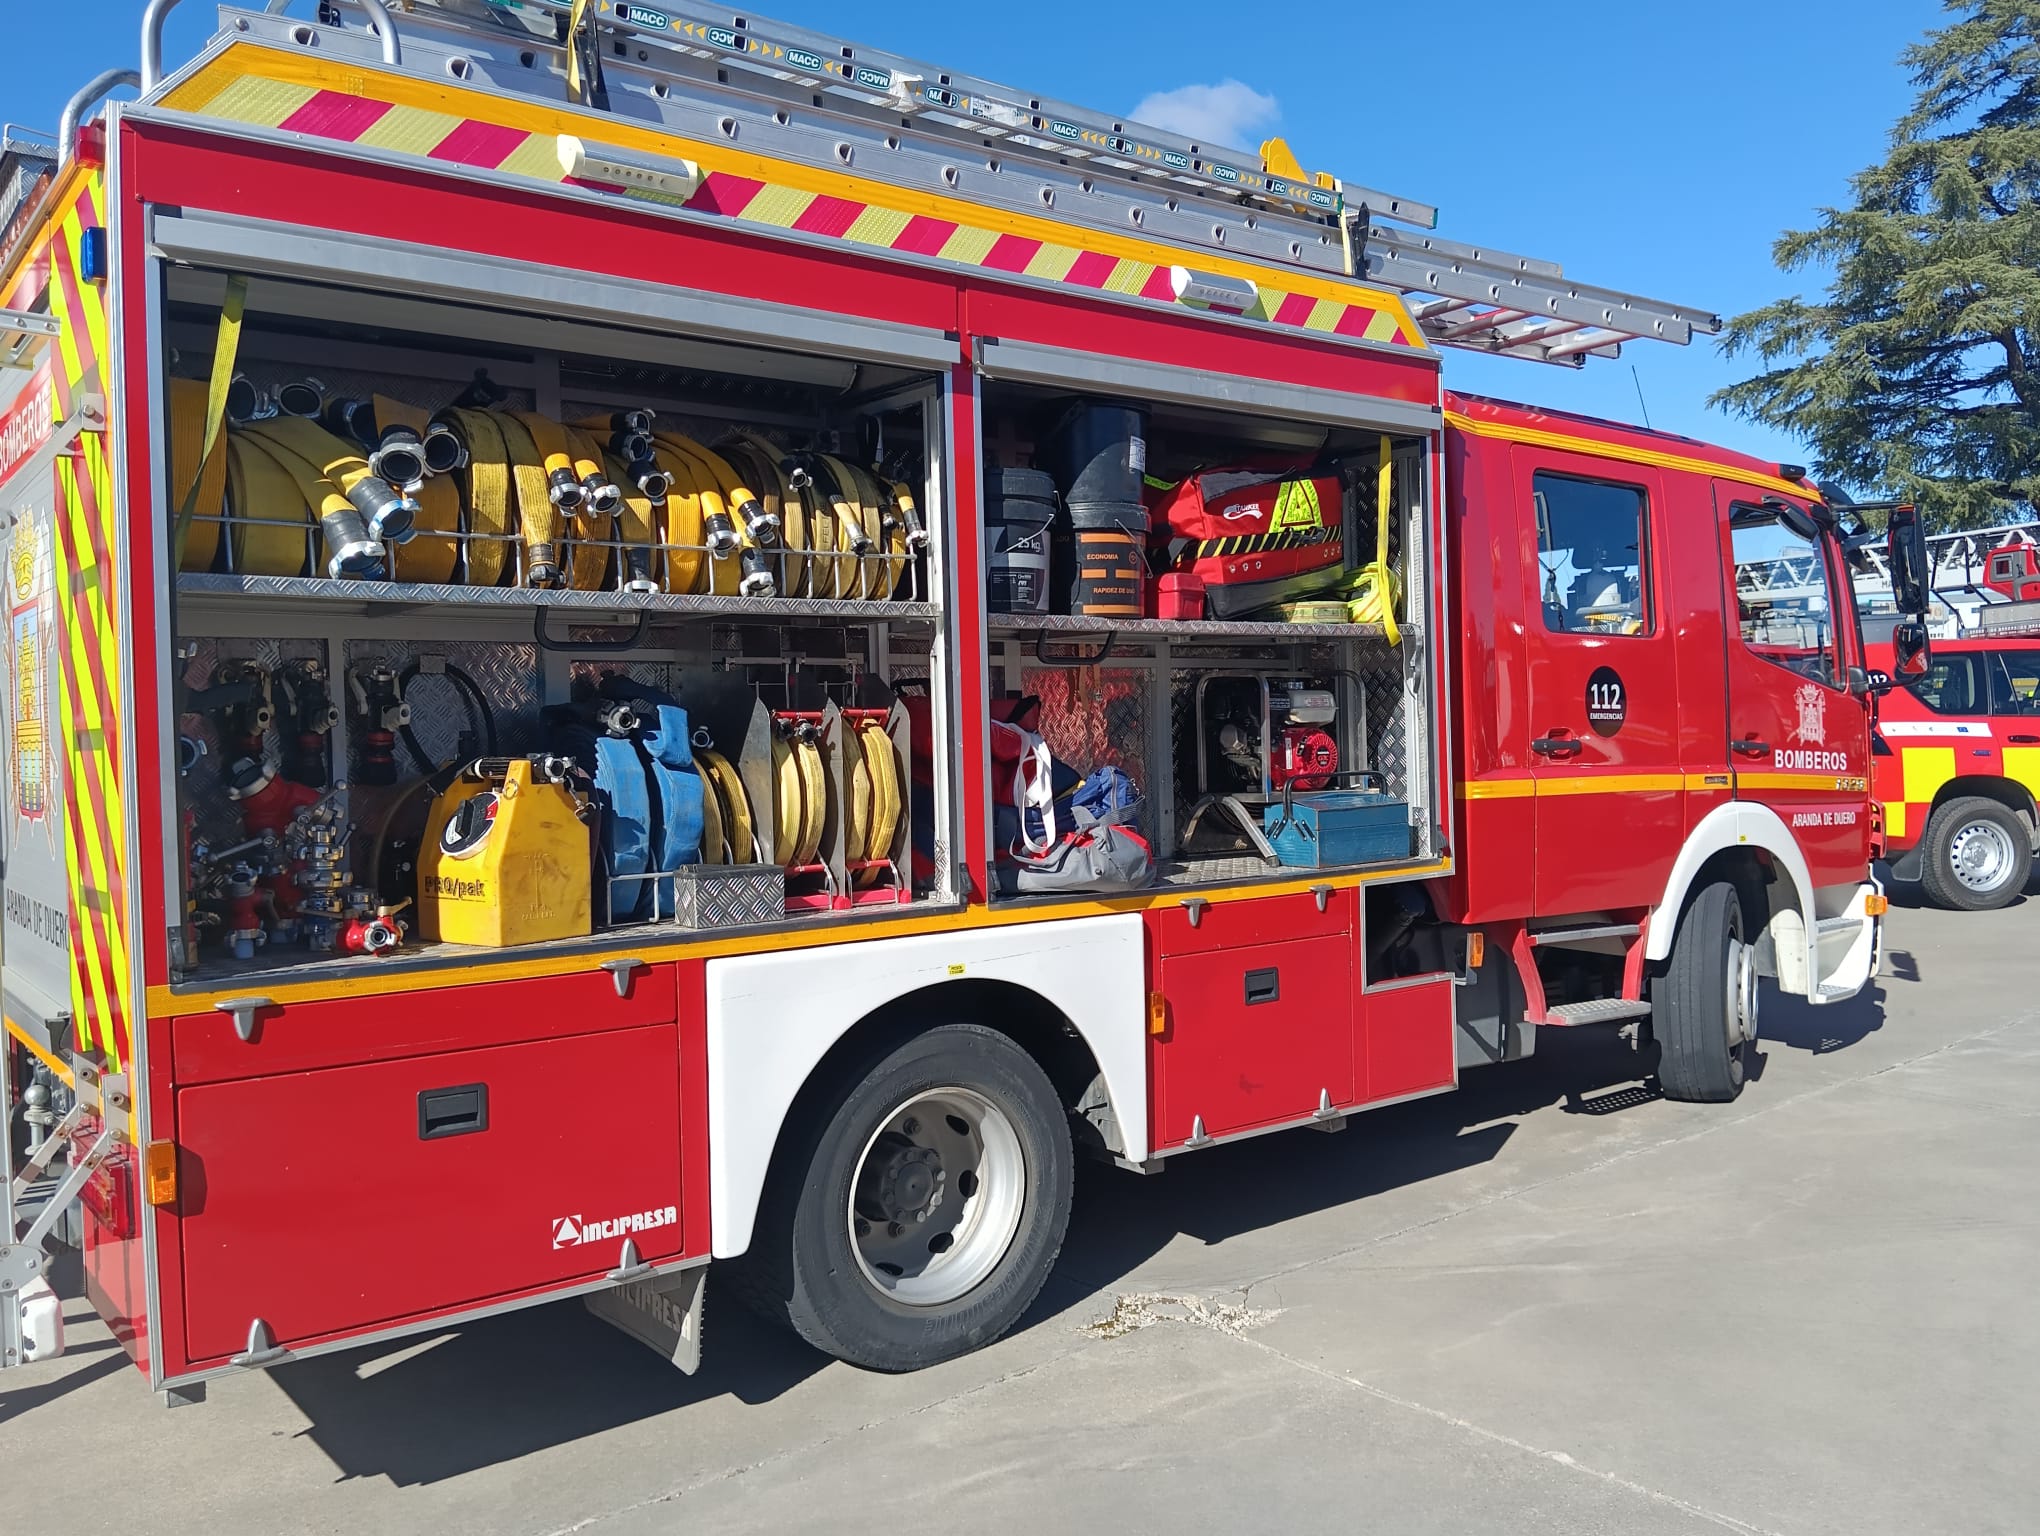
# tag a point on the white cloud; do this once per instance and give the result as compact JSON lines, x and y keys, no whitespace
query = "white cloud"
{"x":1228,"y":113}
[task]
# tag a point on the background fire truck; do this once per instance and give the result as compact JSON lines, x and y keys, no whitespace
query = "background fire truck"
{"x":645,"y":639}
{"x":1958,"y":748}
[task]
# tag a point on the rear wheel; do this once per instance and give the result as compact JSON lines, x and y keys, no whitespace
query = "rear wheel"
{"x":1977,"y":855}
{"x":1704,"y":1003}
{"x":920,"y":1218}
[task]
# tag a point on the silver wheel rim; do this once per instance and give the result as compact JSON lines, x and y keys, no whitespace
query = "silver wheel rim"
{"x":1742,"y":994}
{"x":936,"y":1198}
{"x":1982,"y":855}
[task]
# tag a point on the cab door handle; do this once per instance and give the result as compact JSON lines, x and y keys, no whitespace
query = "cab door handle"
{"x":2022,"y":740}
{"x":1560,"y":743}
{"x":1750,"y":748}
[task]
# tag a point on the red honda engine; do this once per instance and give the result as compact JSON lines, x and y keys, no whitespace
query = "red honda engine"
{"x":1304,"y":756}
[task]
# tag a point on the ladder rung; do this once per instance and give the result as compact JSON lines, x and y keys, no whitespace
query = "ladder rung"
{"x":788,"y":92}
{"x":23,"y":336}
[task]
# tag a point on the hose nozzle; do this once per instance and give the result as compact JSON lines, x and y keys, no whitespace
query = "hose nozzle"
{"x":604,"y":497}
{"x":542,"y":565}
{"x":757,"y":578}
{"x":246,"y":401}
{"x":565,"y":491}
{"x":638,"y":562}
{"x":631,"y":446}
{"x":652,"y":481}
{"x":348,"y":418}
{"x":444,"y":450}
{"x":350,"y":550}
{"x":389,"y":514}
{"x":399,"y":458}
{"x":721,"y":535}
{"x":301,"y":397}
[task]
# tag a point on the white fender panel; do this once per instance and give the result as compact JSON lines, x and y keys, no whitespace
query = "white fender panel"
{"x":1738,"y":824}
{"x":772,"y":1017}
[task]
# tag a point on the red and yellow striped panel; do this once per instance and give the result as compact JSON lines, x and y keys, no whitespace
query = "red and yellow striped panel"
{"x":88,"y":604}
{"x":267,"y":89}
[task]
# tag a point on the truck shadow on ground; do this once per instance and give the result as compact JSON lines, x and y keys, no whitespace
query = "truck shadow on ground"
{"x":1792,"y":1023}
{"x":420,"y":1411}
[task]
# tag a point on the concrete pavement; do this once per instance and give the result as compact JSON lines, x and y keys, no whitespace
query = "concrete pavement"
{"x":1549,"y":1302}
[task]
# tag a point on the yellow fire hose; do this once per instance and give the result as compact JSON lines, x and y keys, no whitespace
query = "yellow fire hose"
{"x":270,"y":517}
{"x":203,"y":472}
{"x":880,"y":765}
{"x":538,"y":516}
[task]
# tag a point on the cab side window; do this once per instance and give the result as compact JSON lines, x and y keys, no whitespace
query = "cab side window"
{"x":1956,"y":683}
{"x":1593,"y":553}
{"x":1783,"y":595}
{"x":2015,"y":683}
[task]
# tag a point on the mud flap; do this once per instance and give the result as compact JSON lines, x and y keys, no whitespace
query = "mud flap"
{"x":663,"y":1313}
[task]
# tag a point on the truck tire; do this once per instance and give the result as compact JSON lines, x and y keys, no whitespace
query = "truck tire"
{"x":919,"y":1217}
{"x":1704,"y":1002}
{"x":1976,"y":856}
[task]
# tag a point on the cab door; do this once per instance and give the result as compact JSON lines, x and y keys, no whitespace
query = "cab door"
{"x":1799,"y":740}
{"x":1604,"y":749}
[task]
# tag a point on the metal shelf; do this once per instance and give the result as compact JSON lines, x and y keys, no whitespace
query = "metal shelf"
{"x":386,"y":595}
{"x":1079,"y":626}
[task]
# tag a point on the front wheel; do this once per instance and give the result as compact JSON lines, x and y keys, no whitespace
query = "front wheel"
{"x":920,"y":1218}
{"x":1977,"y":855}
{"x":1704,"y":1003}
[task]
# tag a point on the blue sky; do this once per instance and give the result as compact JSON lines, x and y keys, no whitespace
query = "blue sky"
{"x":1651,"y":147}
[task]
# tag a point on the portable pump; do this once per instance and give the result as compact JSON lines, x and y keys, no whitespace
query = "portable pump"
{"x":1260,"y":735}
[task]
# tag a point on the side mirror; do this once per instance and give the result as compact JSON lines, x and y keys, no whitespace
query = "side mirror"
{"x":1909,"y":649}
{"x":1906,"y":549}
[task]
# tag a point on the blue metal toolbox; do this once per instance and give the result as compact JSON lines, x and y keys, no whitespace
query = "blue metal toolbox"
{"x":1337,"y":826}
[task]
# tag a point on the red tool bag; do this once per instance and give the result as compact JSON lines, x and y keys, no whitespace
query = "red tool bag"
{"x":1253,"y":537}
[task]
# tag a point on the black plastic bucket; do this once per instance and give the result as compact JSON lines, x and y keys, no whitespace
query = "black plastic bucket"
{"x":1099,"y":451}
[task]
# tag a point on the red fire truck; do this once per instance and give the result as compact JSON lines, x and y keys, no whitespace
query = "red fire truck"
{"x":645,"y":642}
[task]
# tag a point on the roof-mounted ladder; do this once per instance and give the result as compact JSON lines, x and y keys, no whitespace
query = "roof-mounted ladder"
{"x":804,"y":96}
{"x":24,"y":337}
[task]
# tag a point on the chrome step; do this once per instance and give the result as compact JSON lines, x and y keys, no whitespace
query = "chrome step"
{"x":1595,"y":931}
{"x":1600,"y":1010}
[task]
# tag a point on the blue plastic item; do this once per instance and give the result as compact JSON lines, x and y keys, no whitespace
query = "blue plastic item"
{"x":669,"y":755}
{"x":1329,"y":827}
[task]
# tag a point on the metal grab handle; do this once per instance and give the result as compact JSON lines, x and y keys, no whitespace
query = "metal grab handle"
{"x":159,"y":11}
{"x":1750,"y":748}
{"x":1557,"y":746}
{"x":88,"y":97}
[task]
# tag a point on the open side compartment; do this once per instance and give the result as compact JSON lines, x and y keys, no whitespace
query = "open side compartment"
{"x":1265,"y":680}
{"x":496,"y":631}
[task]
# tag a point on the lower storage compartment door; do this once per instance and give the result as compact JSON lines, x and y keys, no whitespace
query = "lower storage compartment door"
{"x":342,"y":1200}
{"x":1255,"y":1035}
{"x":1406,"y":1043}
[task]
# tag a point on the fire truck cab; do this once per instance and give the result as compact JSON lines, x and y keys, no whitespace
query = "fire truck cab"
{"x":1663,"y":708}
{"x":1958,"y":768}
{"x":648,"y":643}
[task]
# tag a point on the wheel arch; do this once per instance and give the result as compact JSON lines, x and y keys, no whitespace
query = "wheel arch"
{"x":1740,"y":842}
{"x":2009,"y":793}
{"x":1071,"y":994}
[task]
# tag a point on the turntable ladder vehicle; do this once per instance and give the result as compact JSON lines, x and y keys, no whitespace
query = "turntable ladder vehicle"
{"x":716,"y":650}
